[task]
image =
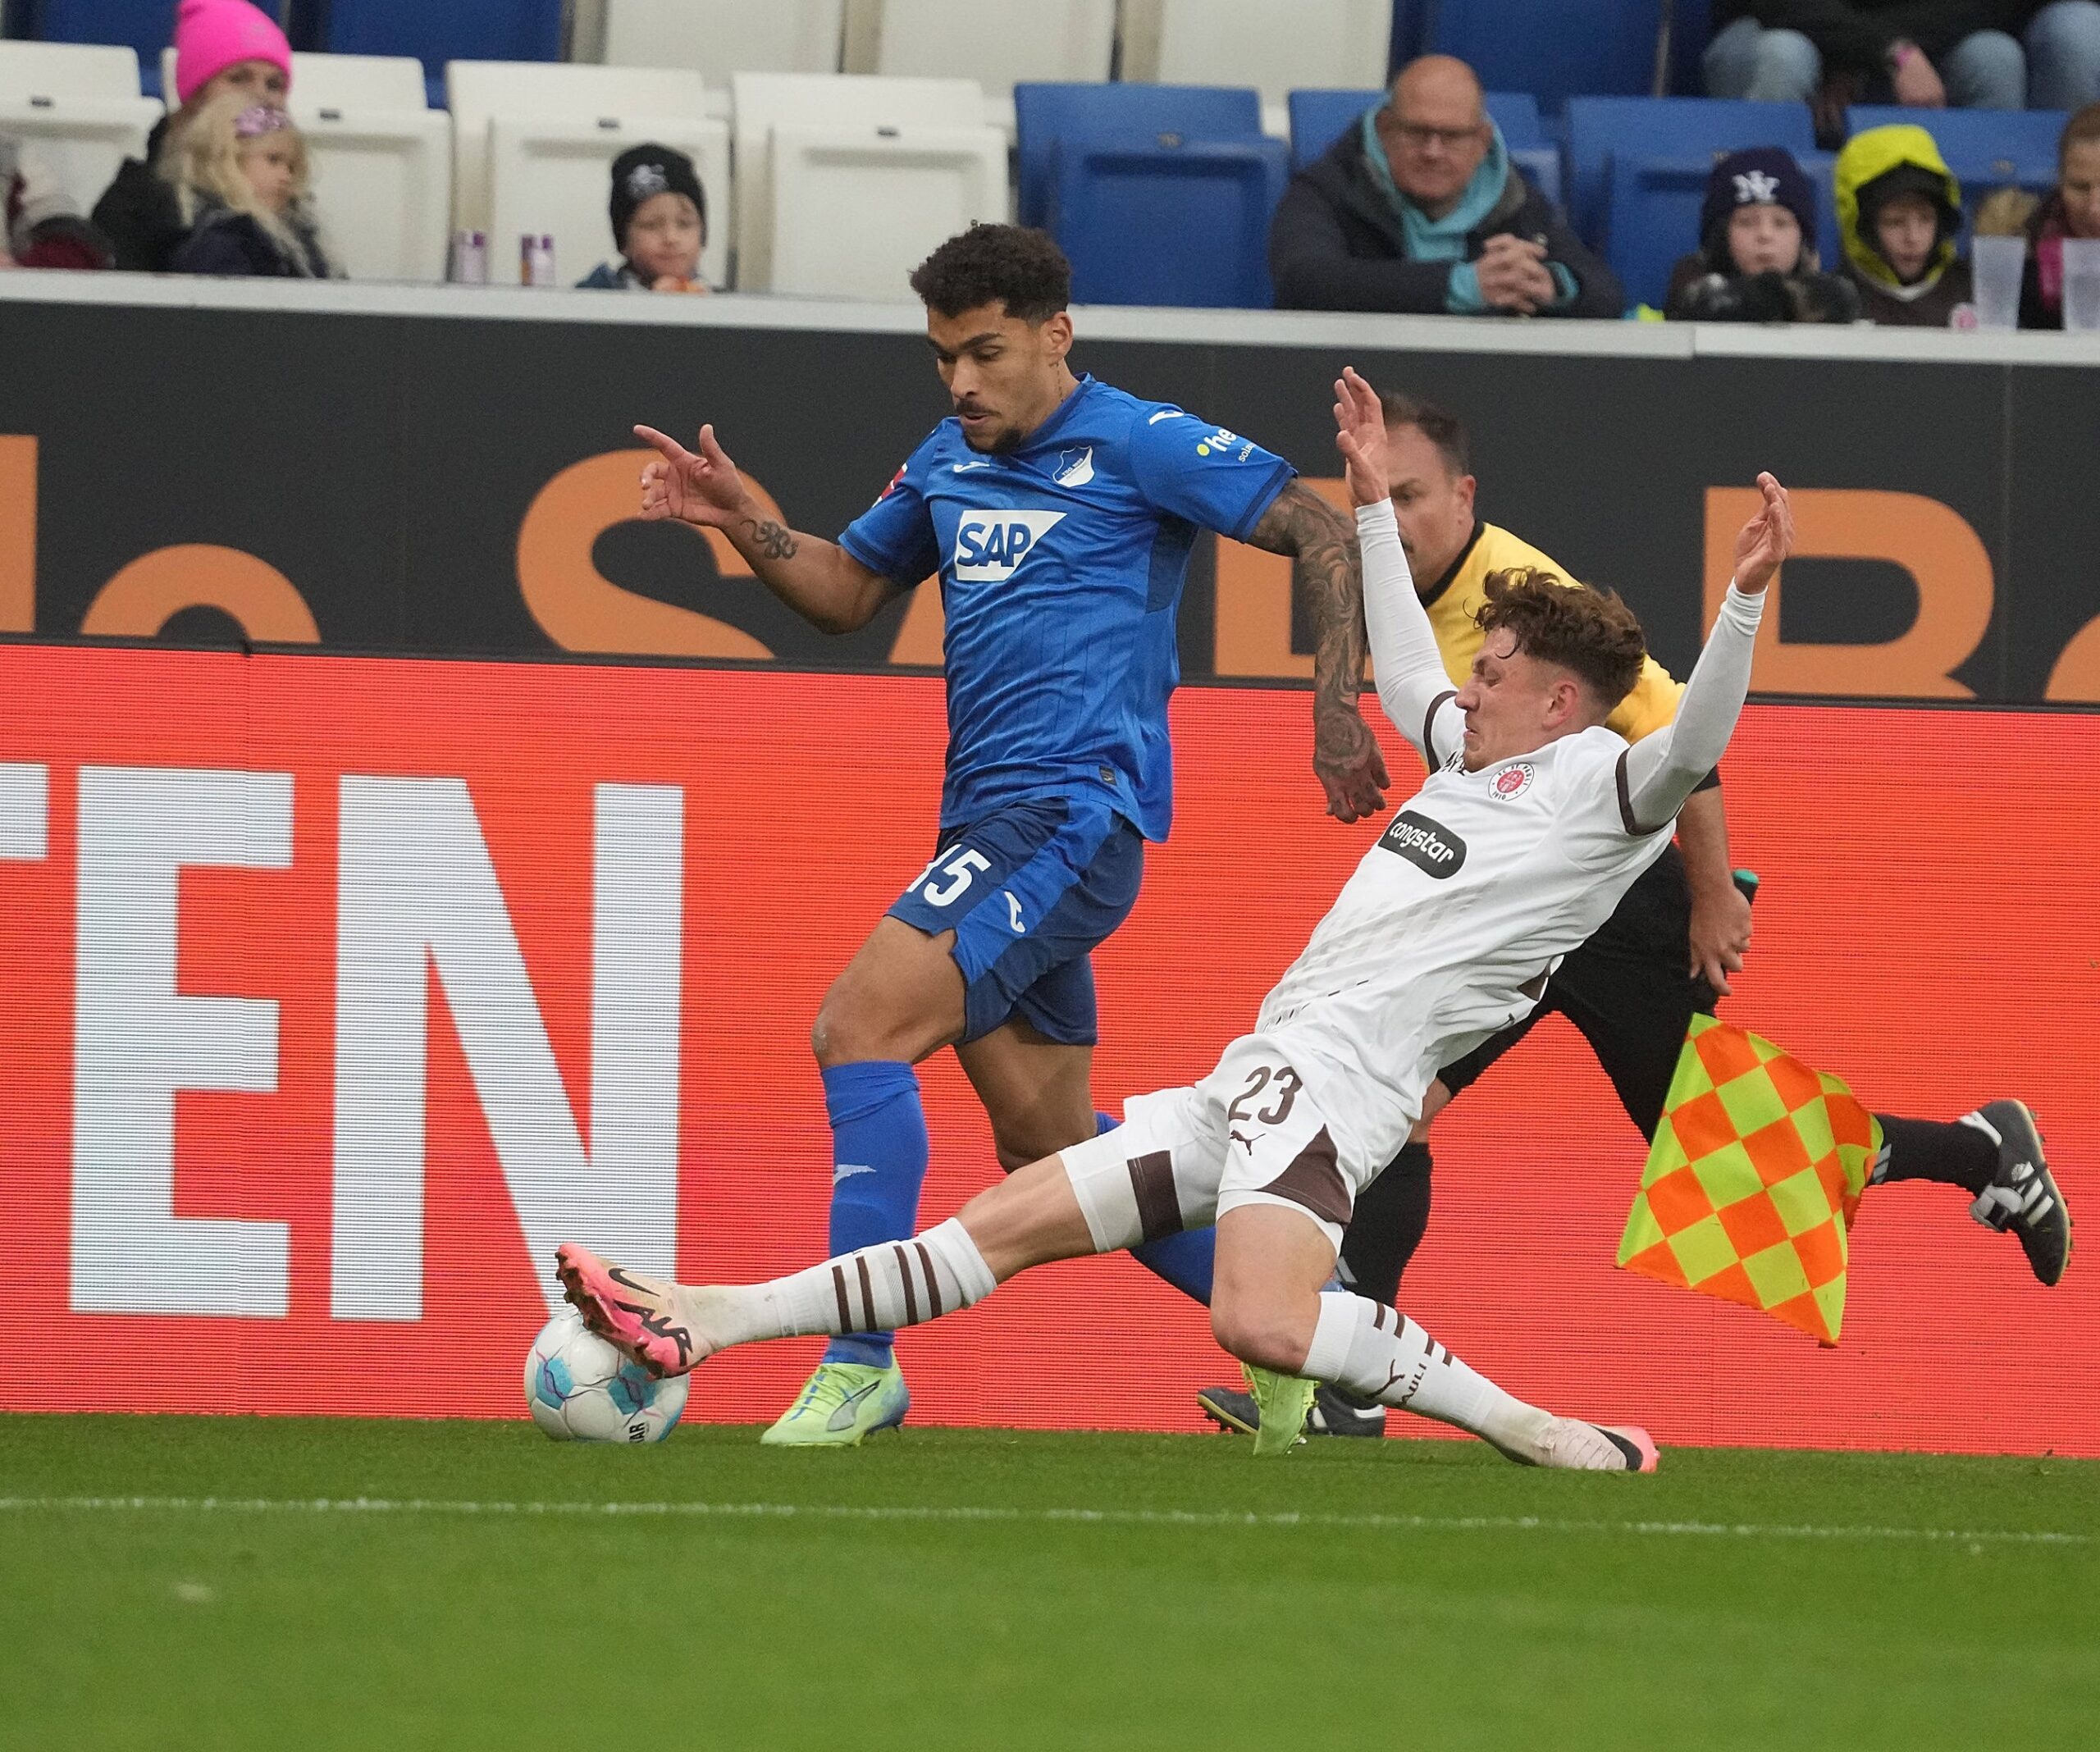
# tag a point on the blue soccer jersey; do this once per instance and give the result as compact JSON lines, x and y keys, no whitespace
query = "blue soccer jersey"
{"x":1061,"y":565}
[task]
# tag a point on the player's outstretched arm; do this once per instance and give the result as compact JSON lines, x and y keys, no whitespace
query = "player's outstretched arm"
{"x":1325,"y":573}
{"x":818,"y":579}
{"x":1410,"y":670}
{"x":1662,"y":769}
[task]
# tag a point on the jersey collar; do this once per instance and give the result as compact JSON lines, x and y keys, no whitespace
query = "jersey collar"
{"x":1457,"y":566}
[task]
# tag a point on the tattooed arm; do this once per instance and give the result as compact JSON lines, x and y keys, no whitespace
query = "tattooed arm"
{"x":1326,"y":574}
{"x":818,"y":579}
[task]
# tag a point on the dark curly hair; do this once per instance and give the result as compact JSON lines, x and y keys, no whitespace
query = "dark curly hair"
{"x":1009,"y":265}
{"x":1589,"y":632}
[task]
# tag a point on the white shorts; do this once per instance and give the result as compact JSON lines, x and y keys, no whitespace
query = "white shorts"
{"x":1250,"y":1132}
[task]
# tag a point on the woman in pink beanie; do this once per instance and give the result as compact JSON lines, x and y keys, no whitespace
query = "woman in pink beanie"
{"x":220,"y":46}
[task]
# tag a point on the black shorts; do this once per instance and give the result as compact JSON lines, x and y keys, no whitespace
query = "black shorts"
{"x":1630,"y":989}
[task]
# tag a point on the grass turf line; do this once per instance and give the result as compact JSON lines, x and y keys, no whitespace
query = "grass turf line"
{"x":946,"y":1588}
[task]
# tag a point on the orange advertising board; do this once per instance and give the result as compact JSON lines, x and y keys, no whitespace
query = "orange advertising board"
{"x":338,"y":989}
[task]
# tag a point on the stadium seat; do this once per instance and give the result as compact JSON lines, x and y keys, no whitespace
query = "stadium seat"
{"x":1277,"y":46}
{"x":1554,"y":49}
{"x":552,"y":177}
{"x":382,"y":185}
{"x":143,"y":26}
{"x":1600,"y":129}
{"x":718,"y":38}
{"x":995,"y":42}
{"x":1046,"y":114}
{"x":360,"y":82}
{"x":856,"y":209}
{"x":480,"y":91}
{"x":1148,"y":219}
{"x":67,"y":70}
{"x":1987,"y":149}
{"x":83,"y":140}
{"x":763,"y":102}
{"x":438,"y":31}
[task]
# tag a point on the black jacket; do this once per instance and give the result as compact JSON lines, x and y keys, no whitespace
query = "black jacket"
{"x":1855,"y":34}
{"x":139,"y":214}
{"x":231,"y":243}
{"x":1335,"y":243}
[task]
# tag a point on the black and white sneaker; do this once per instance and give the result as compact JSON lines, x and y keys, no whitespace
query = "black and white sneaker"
{"x":2023,"y":1196}
{"x":1334,"y":1412}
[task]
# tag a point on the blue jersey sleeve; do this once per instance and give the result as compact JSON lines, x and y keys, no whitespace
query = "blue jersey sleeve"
{"x":894,"y":537}
{"x":1215,"y":478}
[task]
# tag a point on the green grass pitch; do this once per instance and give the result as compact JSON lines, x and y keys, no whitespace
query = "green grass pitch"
{"x":230,"y":1583}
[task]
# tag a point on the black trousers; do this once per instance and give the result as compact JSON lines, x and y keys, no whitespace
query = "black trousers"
{"x":1630,"y":990}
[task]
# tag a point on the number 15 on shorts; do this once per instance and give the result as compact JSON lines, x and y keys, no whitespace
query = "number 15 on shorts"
{"x":947,"y":879}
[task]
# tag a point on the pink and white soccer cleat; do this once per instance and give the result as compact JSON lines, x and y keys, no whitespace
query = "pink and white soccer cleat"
{"x":1582,"y":1447}
{"x":637,"y":1315}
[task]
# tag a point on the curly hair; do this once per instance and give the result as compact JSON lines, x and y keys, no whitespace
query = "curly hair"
{"x":1009,"y":265}
{"x":1591,"y":632}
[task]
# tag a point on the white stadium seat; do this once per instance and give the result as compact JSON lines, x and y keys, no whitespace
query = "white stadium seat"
{"x":1276,"y":46}
{"x":856,"y":209}
{"x":764,"y":102}
{"x":718,"y":38}
{"x":83,"y":140}
{"x":994,"y":42}
{"x":361,"y":82}
{"x":67,"y":70}
{"x":480,"y":91}
{"x":382,"y":186}
{"x":552,"y":177}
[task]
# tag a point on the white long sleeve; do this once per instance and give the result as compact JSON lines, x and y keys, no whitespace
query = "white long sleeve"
{"x":1410,"y":669}
{"x":1662,"y":770}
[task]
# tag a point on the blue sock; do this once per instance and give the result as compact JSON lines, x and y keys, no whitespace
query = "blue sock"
{"x":1184,"y":1260}
{"x":878,"y":1164}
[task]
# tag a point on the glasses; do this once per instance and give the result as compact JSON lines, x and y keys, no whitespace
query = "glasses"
{"x":1418,"y":138}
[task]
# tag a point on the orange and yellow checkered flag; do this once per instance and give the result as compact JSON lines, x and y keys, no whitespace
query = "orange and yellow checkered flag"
{"x":1749,"y":1189}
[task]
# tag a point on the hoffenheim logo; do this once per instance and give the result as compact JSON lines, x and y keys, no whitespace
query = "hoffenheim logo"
{"x":1074,"y":470}
{"x":990,"y":545}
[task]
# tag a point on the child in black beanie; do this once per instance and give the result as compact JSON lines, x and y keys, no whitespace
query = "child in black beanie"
{"x":659,"y":224}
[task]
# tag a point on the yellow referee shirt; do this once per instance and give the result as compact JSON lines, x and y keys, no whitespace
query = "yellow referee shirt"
{"x":1455,"y":598}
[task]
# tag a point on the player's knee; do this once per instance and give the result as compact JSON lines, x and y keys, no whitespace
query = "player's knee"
{"x":1259,"y":1333}
{"x":849,"y":1030}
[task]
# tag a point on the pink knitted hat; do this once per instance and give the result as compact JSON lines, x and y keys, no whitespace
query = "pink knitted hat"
{"x":212,"y":35}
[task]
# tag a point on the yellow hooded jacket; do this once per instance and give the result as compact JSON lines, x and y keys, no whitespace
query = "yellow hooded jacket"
{"x":1874,"y":153}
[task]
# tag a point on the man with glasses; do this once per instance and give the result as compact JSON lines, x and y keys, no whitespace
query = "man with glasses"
{"x":1418,"y":209}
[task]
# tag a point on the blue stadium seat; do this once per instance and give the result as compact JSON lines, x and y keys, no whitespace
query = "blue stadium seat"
{"x":145,"y":26}
{"x":436,"y":31}
{"x":1318,"y":118}
{"x":1600,"y":128}
{"x":1984,"y":148}
{"x":1554,"y":49}
{"x":1046,"y":115}
{"x":1146,"y":222}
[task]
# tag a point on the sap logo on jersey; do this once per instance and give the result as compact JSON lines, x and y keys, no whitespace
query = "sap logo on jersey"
{"x":990,"y":545}
{"x":1429,"y":845}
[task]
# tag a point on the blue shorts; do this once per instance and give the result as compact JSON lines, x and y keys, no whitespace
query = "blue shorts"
{"x":1029,"y":891}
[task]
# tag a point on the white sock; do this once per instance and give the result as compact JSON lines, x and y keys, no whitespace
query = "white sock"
{"x":894,"y":1284}
{"x":1381,"y":1354}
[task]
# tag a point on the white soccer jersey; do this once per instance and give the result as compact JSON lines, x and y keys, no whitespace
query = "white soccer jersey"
{"x":1484,"y":881}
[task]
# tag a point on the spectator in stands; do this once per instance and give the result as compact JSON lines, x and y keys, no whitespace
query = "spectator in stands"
{"x":660,"y":225}
{"x":240,"y":174}
{"x":221,"y":46}
{"x":39,"y":226}
{"x":1419,"y":209}
{"x":2071,"y":210}
{"x":1927,"y":53}
{"x":1754,"y":262}
{"x":1899,"y":211}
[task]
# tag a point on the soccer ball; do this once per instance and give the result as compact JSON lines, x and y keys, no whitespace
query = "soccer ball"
{"x":580,"y":1389}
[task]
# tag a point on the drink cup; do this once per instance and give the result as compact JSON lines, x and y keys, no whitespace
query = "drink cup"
{"x":2082,"y":284}
{"x":1997,"y":262}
